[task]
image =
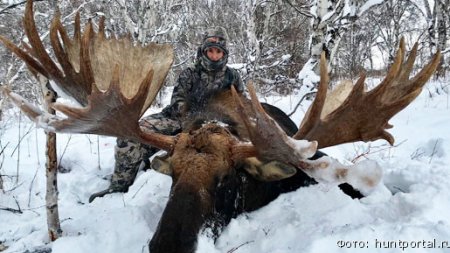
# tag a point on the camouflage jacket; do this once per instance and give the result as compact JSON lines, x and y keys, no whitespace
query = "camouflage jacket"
{"x":195,"y":87}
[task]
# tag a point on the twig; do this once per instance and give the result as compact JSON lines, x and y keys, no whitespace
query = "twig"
{"x":18,"y":210}
{"x":236,"y":248}
{"x":15,"y":187}
{"x":301,"y":100}
{"x":303,"y":12}
{"x":138,"y":190}
{"x":369,"y":151}
{"x":12,"y":6}
{"x":31,"y":186}
{"x":98,"y":152}
{"x":417,"y":154}
{"x":37,"y":146}
{"x":21,"y":138}
{"x":90,"y":142}
{"x":1,"y":180}
{"x":31,"y":209}
{"x":1,"y":166}
{"x":11,"y":210}
{"x":3,"y":149}
{"x":18,"y":149}
{"x":434,"y":151}
{"x":64,"y":151}
{"x":184,"y":60}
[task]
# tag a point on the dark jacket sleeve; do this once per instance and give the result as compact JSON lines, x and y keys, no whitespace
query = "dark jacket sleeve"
{"x":180,"y":93}
{"x":236,"y":80}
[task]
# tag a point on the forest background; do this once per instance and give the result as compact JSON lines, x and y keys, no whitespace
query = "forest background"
{"x":274,"y":43}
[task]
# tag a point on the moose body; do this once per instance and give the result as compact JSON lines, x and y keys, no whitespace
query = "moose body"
{"x":208,"y":189}
{"x":218,"y":171}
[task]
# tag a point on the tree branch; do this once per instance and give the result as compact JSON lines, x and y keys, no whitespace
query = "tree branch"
{"x":299,"y":10}
{"x":12,"y":6}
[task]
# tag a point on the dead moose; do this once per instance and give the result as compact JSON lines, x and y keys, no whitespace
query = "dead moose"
{"x":218,"y":170}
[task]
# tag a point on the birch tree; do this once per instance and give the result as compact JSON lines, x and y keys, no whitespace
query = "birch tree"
{"x":437,"y":16}
{"x":51,"y":164}
{"x":442,"y":27}
{"x":331,"y":20}
{"x":51,"y":168}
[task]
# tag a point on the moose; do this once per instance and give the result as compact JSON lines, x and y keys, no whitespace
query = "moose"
{"x":235,"y":154}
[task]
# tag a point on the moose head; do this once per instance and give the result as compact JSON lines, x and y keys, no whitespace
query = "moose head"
{"x":218,"y":170}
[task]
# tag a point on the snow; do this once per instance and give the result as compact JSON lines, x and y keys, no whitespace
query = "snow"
{"x":364,"y":176}
{"x":369,"y":4}
{"x":286,"y":57}
{"x":306,"y":149}
{"x":408,"y":214}
{"x":308,"y":75}
{"x":10,"y":2}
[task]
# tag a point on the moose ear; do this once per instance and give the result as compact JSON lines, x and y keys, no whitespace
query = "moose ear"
{"x":162,"y":165}
{"x":270,"y":171}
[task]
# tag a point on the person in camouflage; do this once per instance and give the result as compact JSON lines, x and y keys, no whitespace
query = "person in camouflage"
{"x":195,"y":85}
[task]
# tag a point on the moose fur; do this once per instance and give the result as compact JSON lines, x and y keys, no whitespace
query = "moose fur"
{"x":208,"y":191}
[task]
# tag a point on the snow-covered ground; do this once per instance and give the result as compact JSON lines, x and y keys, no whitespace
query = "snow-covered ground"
{"x":408,"y":213}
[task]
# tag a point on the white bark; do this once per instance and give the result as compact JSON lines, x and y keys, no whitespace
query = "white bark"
{"x":253,"y":52}
{"x":442,"y":33}
{"x":330,"y":22}
{"x":51,"y":169}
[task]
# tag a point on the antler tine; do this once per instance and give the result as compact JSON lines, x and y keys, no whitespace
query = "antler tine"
{"x":82,"y":89}
{"x":28,"y":59}
{"x":409,"y":64}
{"x":393,"y":72}
{"x":241,"y":109}
{"x":86,"y":70}
{"x":416,"y":84}
{"x":101,"y":27}
{"x":422,"y":77}
{"x":36,"y":44}
{"x":364,"y":116}
{"x":30,"y":111}
{"x":269,"y":141}
{"x":313,"y":115}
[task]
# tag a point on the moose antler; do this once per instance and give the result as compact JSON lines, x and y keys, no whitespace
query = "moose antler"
{"x":115,"y":80}
{"x":364,"y":116}
{"x":269,"y":142}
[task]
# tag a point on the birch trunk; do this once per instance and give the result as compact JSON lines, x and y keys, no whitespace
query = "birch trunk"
{"x":442,"y":35}
{"x":254,"y":53}
{"x":431,"y":20}
{"x":51,"y":169}
{"x":331,"y":21}
{"x":51,"y":163}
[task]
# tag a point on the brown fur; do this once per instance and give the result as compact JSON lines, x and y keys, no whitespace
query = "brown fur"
{"x":201,"y":158}
{"x":202,"y":153}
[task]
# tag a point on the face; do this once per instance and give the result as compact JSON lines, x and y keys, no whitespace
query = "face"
{"x":214,"y":53}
